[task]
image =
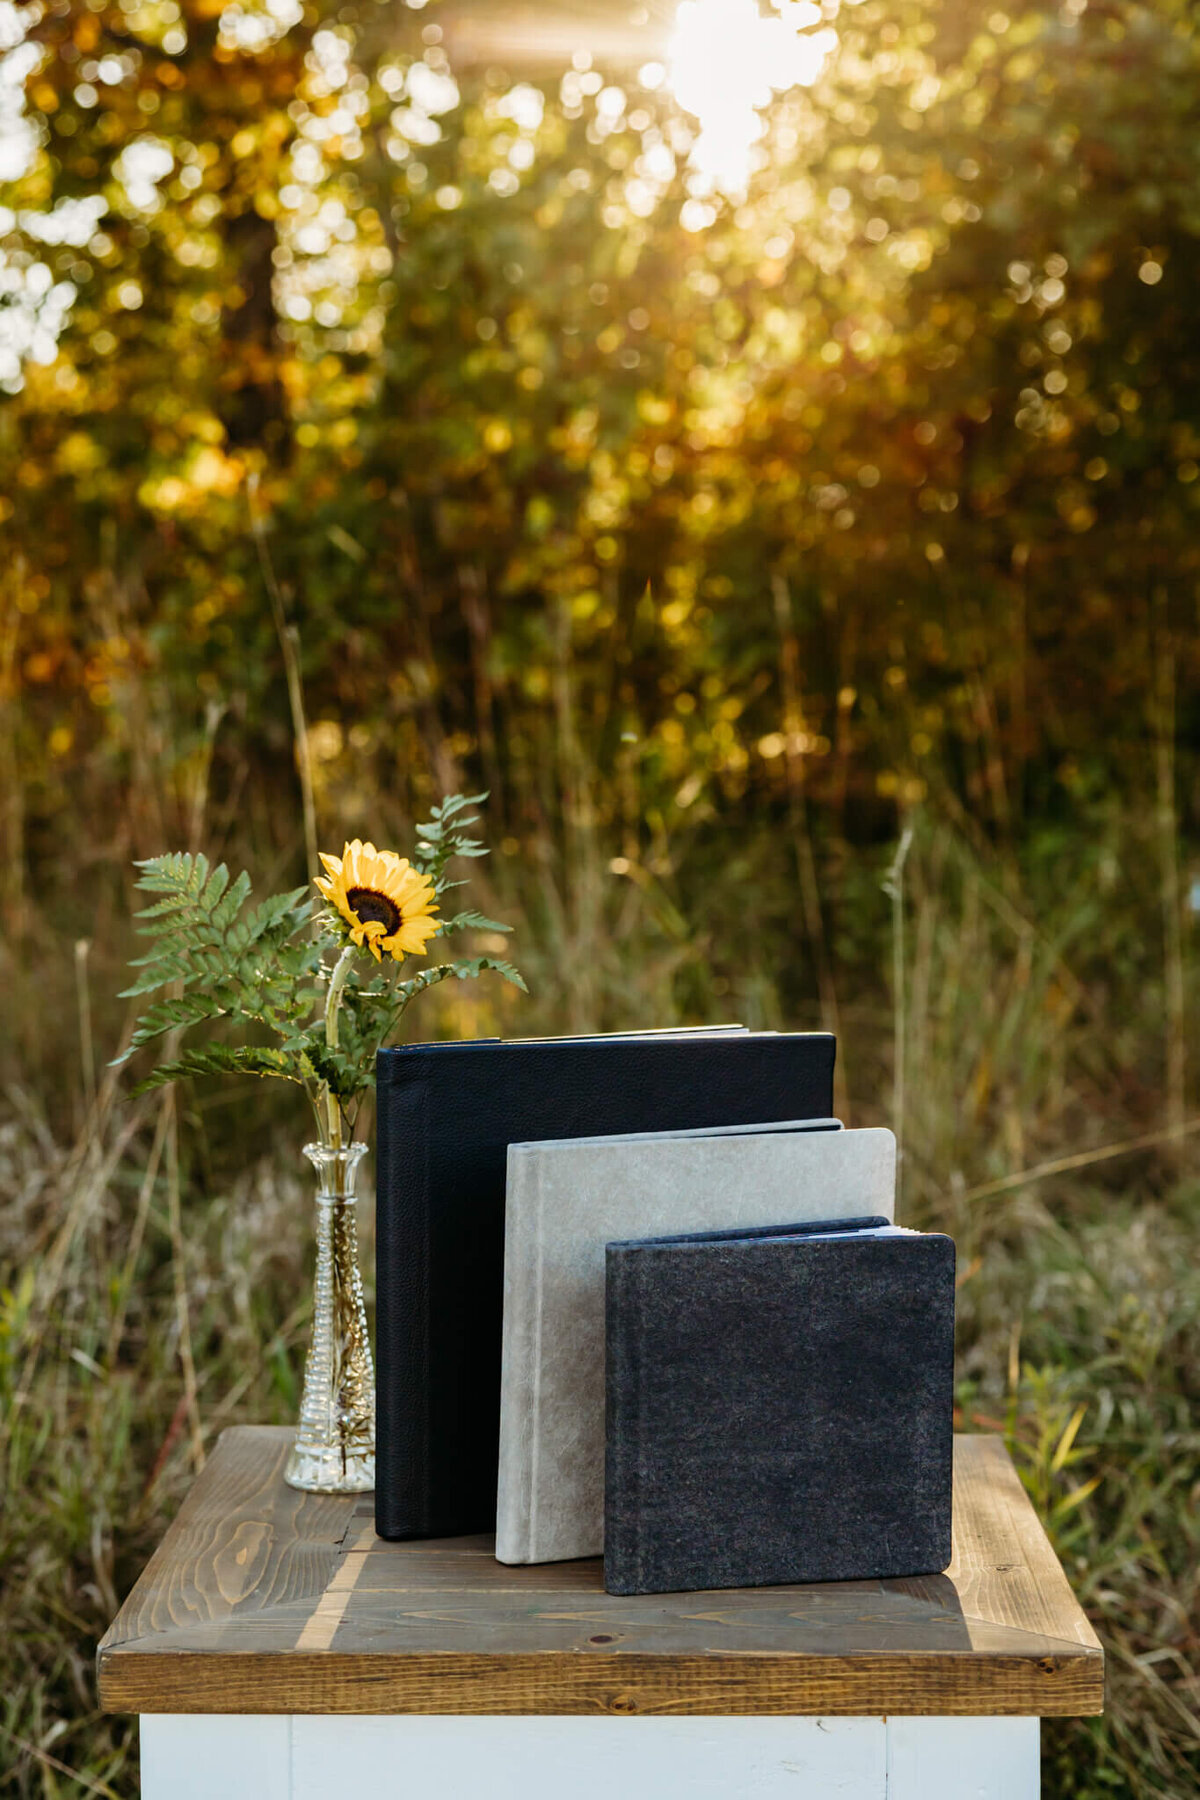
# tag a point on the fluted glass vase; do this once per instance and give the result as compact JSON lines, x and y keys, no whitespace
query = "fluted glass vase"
{"x":334,"y":1452}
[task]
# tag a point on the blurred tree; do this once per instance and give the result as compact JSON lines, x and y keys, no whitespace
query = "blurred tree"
{"x":866,"y":478}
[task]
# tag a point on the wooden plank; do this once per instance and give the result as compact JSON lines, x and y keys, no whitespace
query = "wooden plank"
{"x":968,"y":1683}
{"x":261,"y":1600}
{"x":243,"y":1542}
{"x":825,"y":1624}
{"x":1004,"y":1567}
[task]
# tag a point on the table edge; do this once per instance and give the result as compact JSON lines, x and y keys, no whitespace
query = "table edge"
{"x":631,"y":1684}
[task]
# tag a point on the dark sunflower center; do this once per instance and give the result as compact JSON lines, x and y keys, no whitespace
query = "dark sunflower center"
{"x":374,"y":908}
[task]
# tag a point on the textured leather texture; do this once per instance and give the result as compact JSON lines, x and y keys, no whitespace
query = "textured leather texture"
{"x":446,"y":1116}
{"x":779,"y":1409}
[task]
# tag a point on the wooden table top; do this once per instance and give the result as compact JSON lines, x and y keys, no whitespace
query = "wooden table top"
{"x":263,"y":1600}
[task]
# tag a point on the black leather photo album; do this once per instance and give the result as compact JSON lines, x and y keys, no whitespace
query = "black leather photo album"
{"x":779,"y":1407}
{"x":447,"y":1113}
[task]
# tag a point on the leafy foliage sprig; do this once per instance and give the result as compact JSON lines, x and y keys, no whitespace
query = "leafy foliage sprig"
{"x":214,"y":956}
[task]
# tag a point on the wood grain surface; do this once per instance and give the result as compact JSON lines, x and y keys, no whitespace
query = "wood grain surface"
{"x":264,"y":1600}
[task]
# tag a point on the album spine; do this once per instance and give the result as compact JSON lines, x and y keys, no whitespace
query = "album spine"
{"x":623,"y":1460}
{"x":403,"y":1454}
{"x":520,"y":1419}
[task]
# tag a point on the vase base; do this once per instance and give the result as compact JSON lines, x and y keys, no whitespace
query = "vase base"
{"x":321,"y":1469}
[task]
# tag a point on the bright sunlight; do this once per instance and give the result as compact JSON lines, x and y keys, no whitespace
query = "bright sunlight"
{"x":726,"y":61}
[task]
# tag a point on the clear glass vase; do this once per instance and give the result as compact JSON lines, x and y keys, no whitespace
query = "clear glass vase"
{"x":334,"y":1452}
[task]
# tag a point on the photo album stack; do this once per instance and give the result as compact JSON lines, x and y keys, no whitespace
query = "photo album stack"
{"x":642,"y":1296}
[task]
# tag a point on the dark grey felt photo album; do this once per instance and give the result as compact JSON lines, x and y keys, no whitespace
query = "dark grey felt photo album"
{"x":779,"y":1406}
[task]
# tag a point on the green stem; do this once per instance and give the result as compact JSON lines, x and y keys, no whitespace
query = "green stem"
{"x":333,"y":1001}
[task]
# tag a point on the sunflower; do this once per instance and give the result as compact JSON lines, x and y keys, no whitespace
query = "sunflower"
{"x":387,"y":904}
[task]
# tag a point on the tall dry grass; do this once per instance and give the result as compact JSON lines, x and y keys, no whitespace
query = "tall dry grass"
{"x":1011,"y":1012}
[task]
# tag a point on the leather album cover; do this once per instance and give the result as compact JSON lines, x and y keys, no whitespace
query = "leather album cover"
{"x":447,"y":1113}
{"x":780,"y":1407}
{"x":566,"y":1200}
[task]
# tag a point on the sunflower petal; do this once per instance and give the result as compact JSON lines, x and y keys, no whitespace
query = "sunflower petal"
{"x":413,"y":935}
{"x":409,"y":883}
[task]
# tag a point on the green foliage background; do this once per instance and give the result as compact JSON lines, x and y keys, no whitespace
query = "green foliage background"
{"x":724,"y":541}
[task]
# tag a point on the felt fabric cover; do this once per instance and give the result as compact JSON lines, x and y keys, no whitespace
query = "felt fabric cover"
{"x":779,"y":1408}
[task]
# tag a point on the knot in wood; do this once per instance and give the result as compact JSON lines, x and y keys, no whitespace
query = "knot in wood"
{"x":623,"y":1703}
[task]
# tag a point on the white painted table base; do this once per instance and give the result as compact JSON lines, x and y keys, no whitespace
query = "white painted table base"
{"x":205,"y":1756}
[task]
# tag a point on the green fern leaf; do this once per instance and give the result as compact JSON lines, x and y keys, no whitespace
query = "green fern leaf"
{"x":479,"y":965}
{"x":280,"y":916}
{"x":466,"y":969}
{"x":171,"y":1015}
{"x":167,"y":909}
{"x":213,"y":888}
{"x":219,"y":1059}
{"x":231,"y":905}
{"x":161,"y":971}
{"x":471,"y":921}
{"x":176,"y":873}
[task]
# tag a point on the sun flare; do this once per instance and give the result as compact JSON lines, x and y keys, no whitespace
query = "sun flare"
{"x":726,"y":61}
